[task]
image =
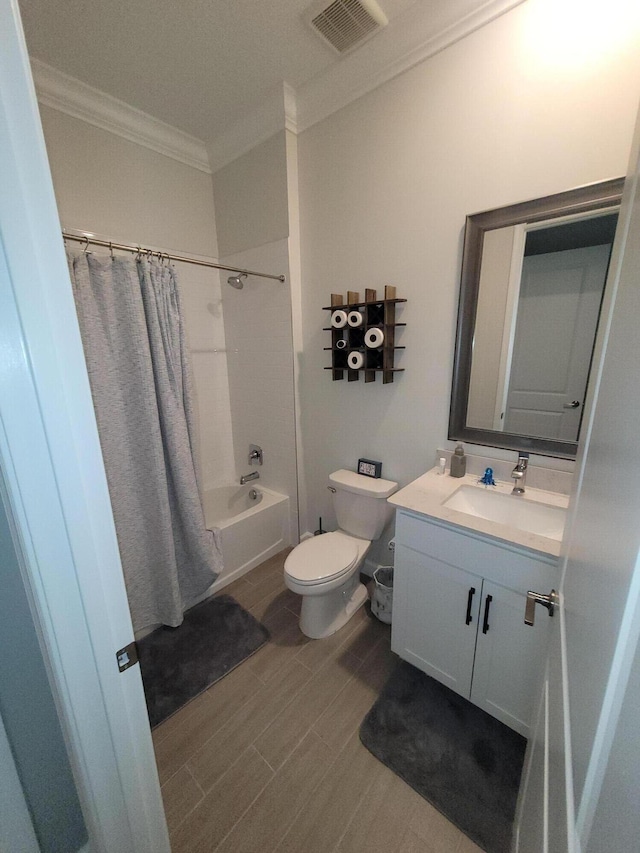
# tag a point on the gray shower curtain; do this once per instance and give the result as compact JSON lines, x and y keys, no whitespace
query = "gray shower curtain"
{"x":134,"y":343}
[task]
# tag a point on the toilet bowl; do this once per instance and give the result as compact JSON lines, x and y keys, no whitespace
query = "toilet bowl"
{"x":324,"y":570}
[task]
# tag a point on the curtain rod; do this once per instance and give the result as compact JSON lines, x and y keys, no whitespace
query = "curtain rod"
{"x":139,"y":250}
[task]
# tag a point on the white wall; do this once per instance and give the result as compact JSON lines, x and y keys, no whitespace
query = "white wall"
{"x":386,"y":183}
{"x":133,"y":195}
{"x":251,"y":198}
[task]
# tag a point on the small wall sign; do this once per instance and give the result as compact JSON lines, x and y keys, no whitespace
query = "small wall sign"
{"x":369,"y":468}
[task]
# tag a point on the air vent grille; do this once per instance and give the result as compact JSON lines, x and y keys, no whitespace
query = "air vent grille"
{"x":345,"y":23}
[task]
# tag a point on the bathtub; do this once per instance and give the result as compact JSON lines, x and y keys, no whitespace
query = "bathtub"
{"x":251,"y":529}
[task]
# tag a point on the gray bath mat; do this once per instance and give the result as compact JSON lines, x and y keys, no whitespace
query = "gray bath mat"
{"x":464,"y":762}
{"x":179,"y":663}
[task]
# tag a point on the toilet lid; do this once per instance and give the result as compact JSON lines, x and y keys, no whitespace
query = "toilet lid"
{"x":321,"y":558}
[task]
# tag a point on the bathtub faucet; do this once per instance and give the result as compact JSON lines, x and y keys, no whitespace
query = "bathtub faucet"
{"x":254,"y":475}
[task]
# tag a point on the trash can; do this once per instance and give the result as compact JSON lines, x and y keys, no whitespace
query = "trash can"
{"x":382,"y":598}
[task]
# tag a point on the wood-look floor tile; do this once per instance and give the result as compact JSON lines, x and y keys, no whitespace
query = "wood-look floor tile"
{"x":412,"y":843}
{"x":267,"y":820}
{"x":192,"y":726}
{"x":291,"y":707}
{"x":180,"y":795}
{"x":468,"y":846}
{"x":343,"y":716}
{"x":235,"y":588}
{"x":251,"y":593}
{"x":368,"y":636}
{"x":380,"y":822}
{"x":315,"y":654}
{"x":322,"y":822}
{"x":221,"y":808}
{"x":278,"y":741}
{"x":285,"y":642}
{"x":212,"y":759}
{"x":271,"y":605}
{"x":273,"y":566}
{"x":438,"y":834}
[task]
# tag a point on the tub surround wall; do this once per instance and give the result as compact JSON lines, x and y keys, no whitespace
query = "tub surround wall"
{"x":204,"y":321}
{"x":133,"y":195}
{"x":385,"y":186}
{"x":252,"y":206}
{"x":260,"y":360}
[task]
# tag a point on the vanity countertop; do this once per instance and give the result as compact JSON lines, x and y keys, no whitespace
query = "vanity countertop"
{"x":427,"y":495}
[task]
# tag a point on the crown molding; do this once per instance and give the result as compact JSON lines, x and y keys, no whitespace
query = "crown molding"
{"x":334,"y":89}
{"x":68,"y":95}
{"x":341,"y":84}
{"x":281,"y":108}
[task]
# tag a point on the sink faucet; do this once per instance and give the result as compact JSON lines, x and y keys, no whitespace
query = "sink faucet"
{"x":519,"y":474}
{"x":254,"y":475}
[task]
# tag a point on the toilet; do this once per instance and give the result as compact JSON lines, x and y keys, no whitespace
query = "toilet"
{"x":324,"y":570}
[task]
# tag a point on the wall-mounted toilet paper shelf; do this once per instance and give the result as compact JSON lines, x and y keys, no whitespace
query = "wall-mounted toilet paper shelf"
{"x":378,"y":315}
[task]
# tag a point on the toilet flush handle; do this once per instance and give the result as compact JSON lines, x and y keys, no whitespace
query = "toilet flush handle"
{"x":331,"y":489}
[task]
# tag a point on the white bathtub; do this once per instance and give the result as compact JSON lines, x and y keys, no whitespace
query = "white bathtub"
{"x":251,"y":531}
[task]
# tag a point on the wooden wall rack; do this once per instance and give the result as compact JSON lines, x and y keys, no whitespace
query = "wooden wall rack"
{"x":377,"y":314}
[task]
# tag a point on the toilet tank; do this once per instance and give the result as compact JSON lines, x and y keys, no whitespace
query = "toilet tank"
{"x":361,"y":503}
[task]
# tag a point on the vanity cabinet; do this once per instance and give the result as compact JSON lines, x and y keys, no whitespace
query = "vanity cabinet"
{"x":458,"y":614}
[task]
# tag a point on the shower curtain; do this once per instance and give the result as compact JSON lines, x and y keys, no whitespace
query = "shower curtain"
{"x":134,"y":344}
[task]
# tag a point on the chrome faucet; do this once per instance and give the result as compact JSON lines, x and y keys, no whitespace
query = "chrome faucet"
{"x":519,"y":474}
{"x":254,"y":475}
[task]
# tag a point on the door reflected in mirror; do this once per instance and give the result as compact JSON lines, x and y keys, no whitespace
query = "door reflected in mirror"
{"x":541,"y":286}
{"x":533,"y":281}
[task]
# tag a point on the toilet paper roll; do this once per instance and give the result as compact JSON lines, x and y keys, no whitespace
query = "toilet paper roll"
{"x":339,"y":319}
{"x":374,"y":338}
{"x":355,"y":360}
{"x":341,"y":344}
{"x":355,"y":319}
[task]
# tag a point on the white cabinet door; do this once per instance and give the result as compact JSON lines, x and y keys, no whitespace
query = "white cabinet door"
{"x":509,"y":656}
{"x":435,"y":619}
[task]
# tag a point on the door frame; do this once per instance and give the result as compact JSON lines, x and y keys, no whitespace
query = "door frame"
{"x":57,"y":491}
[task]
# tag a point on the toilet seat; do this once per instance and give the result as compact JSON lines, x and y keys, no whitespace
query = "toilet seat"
{"x":321,"y":559}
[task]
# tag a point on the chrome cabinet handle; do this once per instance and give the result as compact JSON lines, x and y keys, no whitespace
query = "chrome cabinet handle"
{"x":549,"y":601}
{"x":573,"y":405}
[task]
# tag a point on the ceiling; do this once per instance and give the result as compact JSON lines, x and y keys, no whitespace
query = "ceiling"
{"x":199,"y":65}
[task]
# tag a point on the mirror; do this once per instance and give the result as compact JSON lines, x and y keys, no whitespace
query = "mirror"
{"x":531,"y":290}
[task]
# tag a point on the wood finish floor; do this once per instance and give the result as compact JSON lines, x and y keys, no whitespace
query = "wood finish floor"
{"x":269,"y":759}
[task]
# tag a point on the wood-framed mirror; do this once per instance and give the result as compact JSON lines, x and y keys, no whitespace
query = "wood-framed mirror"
{"x":532,"y":284}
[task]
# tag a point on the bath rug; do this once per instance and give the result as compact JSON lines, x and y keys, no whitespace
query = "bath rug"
{"x":179,"y":663}
{"x":463,"y":761}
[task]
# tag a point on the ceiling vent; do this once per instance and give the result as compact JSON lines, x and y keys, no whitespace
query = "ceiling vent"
{"x":344,"y":24}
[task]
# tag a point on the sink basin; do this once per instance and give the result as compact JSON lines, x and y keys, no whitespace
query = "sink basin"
{"x":512,"y":510}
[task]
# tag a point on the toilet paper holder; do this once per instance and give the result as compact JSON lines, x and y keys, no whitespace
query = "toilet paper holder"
{"x":373,"y":338}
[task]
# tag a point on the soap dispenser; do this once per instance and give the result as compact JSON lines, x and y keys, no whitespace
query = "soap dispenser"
{"x":458,"y":462}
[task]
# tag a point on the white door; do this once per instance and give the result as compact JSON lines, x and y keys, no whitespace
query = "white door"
{"x":558,"y":310}
{"x":594,"y":641}
{"x":51,"y":464}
